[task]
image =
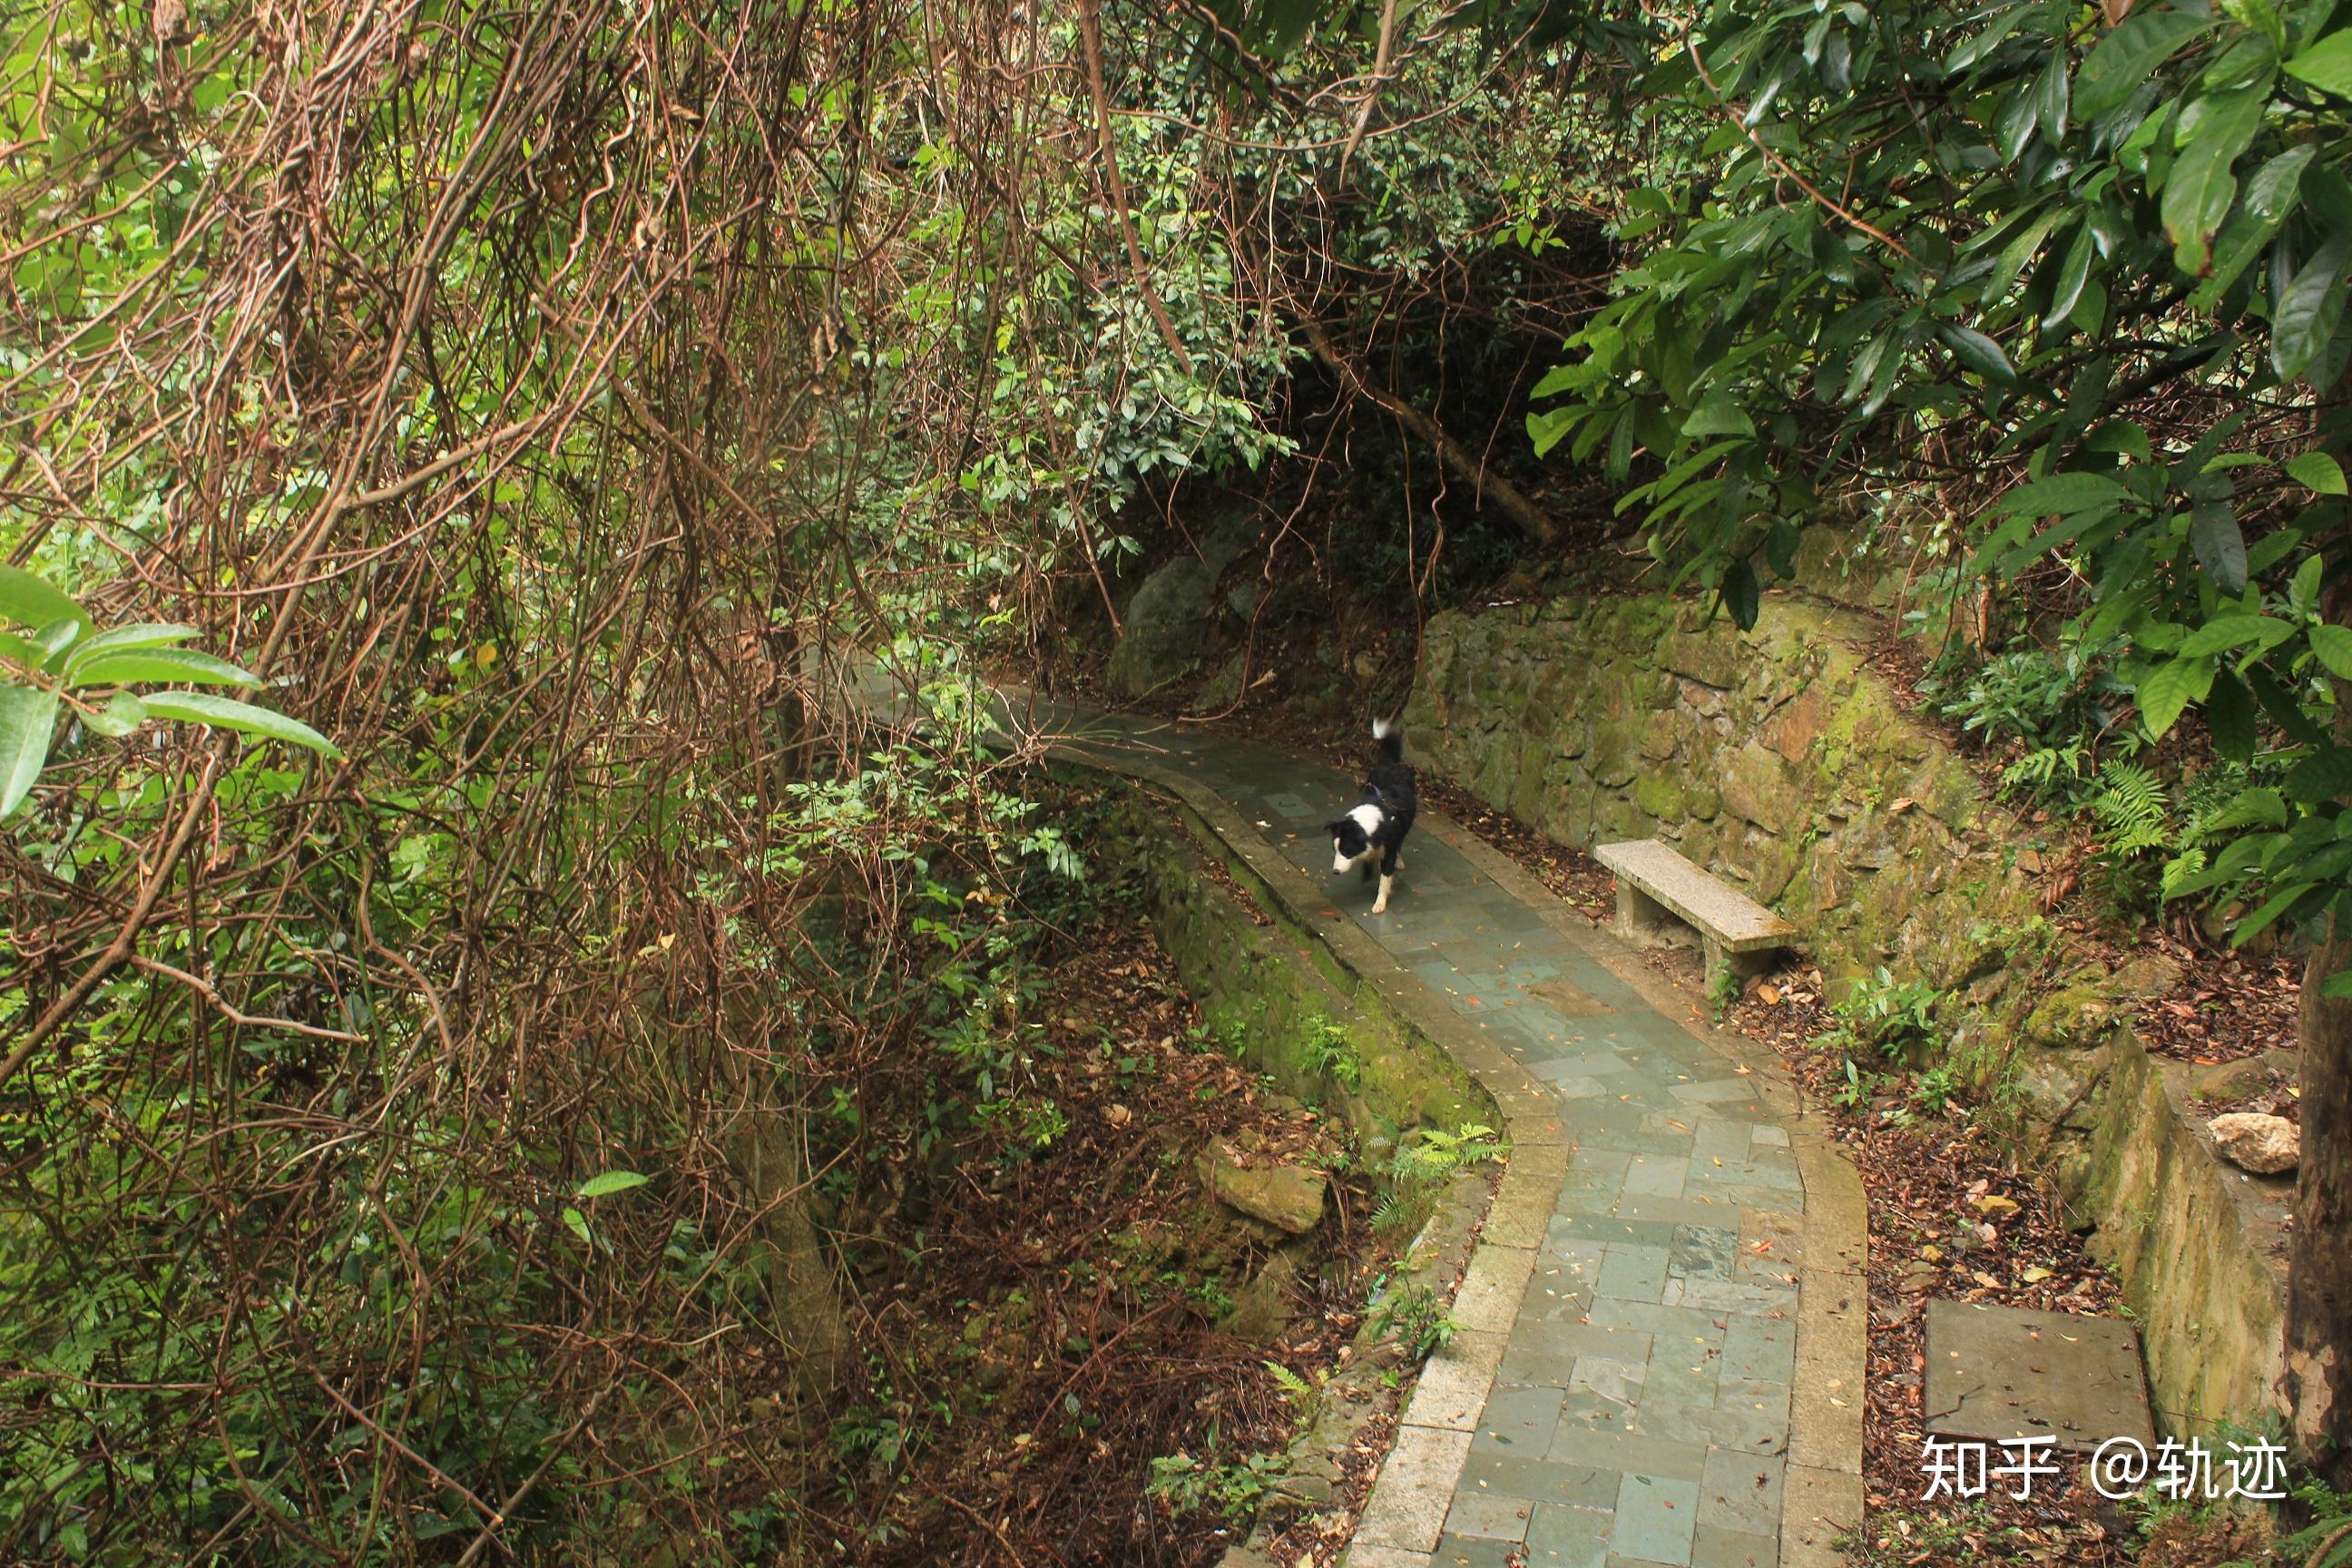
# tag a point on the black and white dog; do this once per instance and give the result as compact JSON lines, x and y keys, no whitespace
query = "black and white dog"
{"x":1378,"y":825}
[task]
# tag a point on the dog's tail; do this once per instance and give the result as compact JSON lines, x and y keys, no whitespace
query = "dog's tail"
{"x":1391,"y":747}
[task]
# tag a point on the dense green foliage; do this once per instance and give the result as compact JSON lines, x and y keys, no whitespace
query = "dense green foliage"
{"x":426,"y":1138}
{"x":2085,"y":279}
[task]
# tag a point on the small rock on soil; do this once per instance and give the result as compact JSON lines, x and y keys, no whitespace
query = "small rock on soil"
{"x":2265,"y":1145}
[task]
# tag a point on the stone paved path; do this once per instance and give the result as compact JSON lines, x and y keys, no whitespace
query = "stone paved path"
{"x":1662,"y":1361}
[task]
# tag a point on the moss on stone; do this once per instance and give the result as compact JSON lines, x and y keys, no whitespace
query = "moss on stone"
{"x":1282,"y":999}
{"x":1659,"y":793}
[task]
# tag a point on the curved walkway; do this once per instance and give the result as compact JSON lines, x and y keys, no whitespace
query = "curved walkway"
{"x":1662,"y":1356}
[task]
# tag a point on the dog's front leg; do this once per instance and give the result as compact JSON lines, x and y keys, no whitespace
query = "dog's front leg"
{"x":1380,"y":904}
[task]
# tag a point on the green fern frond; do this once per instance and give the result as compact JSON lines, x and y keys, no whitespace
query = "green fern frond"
{"x":2132,"y":810}
{"x":1301,"y":1392}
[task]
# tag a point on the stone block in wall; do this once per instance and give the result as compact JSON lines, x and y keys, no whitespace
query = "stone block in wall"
{"x":1659,"y":793}
{"x":1537,"y":765}
{"x":1771,"y":865}
{"x":1713,"y":657}
{"x":1758,"y":787}
{"x":1796,"y":729}
{"x":1613,"y":759}
{"x":1705,"y":701}
{"x":1614,"y":817}
{"x":2197,"y":1244}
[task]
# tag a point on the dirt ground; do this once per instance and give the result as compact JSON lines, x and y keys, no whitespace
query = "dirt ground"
{"x":1064,"y":1318}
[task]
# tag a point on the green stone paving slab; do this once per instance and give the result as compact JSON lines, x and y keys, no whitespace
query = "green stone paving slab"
{"x":1567,"y":1536}
{"x":1656,"y":1518}
{"x":1641,"y":1406}
{"x":1471,"y":1551}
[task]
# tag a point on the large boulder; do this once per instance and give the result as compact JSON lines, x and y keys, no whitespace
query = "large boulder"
{"x":1165,"y":622}
{"x":1171,"y":613}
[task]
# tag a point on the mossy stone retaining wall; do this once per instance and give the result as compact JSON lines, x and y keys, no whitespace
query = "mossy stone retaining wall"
{"x":1776,"y":759}
{"x":1298,"y":1014}
{"x":1280,"y":997}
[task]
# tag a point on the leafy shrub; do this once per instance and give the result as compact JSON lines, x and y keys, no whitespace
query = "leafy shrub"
{"x":1897,"y":1017}
{"x":1335,"y":1058}
{"x":2034,"y":695}
{"x":1413,"y":1319}
{"x":1233,"y":1487}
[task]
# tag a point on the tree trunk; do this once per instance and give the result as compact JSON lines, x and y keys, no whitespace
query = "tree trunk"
{"x":2318,"y":1378}
{"x":2319,"y":1383}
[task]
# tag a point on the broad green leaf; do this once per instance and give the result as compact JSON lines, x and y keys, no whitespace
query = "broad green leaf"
{"x":2303,"y":588}
{"x":121,"y":639}
{"x":123,"y":667}
{"x":2220,"y":544}
{"x":2318,"y":472}
{"x":1978,"y":353}
{"x":2306,"y":314}
{"x":1972,"y":50}
{"x":2326,"y":65}
{"x":2123,"y":437}
{"x":203,"y":708}
{"x":2254,"y":924}
{"x":2285,"y":709}
{"x":2260,"y":16}
{"x":122,"y":715}
{"x":2170,"y":687}
{"x":2013,"y":257}
{"x":1741,"y":594}
{"x":2271,"y":193}
{"x":2074,"y":271}
{"x":28,"y":715}
{"x":2234,"y":631}
{"x":2324,"y":776}
{"x":2126,"y":56}
{"x":1560,"y":378}
{"x":611,"y":1182}
{"x":2334,"y":646}
{"x":578,"y":1223}
{"x":1831,"y":257}
{"x":1545,"y":429}
{"x":2062,"y":494}
{"x":2019,"y":119}
{"x":2230,"y":715}
{"x":56,"y":640}
{"x":2054,"y":89}
{"x":2214,"y":132}
{"x":1719,"y":415}
{"x":33,"y":602}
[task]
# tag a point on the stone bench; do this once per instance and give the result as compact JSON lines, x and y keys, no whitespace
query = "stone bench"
{"x":1656,"y":887}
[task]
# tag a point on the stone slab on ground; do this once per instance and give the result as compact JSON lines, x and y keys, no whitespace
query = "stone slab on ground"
{"x":1998,"y":1373}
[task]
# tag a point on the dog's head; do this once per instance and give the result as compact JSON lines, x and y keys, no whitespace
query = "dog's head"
{"x":1351,"y":836}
